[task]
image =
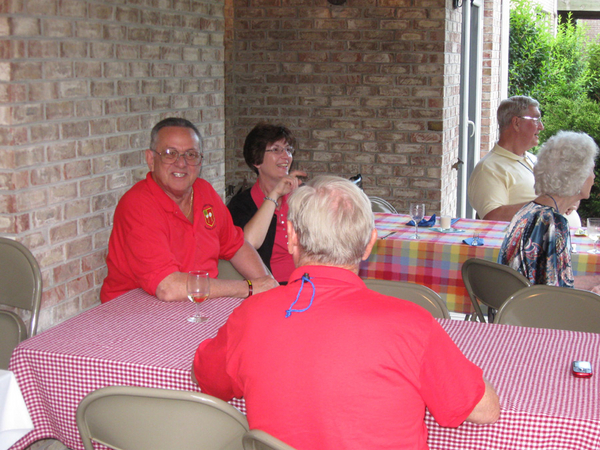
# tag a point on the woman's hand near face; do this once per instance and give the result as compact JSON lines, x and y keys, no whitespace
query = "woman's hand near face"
{"x":256,"y":229}
{"x":287,"y":184}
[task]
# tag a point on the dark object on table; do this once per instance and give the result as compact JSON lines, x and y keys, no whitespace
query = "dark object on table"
{"x":474,"y":241}
{"x":424,"y":222}
{"x":357,"y":180}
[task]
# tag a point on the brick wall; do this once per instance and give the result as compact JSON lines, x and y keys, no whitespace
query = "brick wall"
{"x":81,"y":84}
{"x":593,"y":27}
{"x":370,"y":86}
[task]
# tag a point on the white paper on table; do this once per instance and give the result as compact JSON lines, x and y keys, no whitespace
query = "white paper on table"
{"x":15,"y":421}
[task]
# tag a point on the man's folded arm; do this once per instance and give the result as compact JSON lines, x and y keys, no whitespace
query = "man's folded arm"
{"x":504,"y":213}
{"x":488,"y":408}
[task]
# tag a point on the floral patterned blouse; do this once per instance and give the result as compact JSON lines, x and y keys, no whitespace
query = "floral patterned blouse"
{"x":538,"y":245}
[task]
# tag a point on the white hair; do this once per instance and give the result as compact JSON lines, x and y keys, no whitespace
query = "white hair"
{"x":333,"y":220}
{"x":564,"y":162}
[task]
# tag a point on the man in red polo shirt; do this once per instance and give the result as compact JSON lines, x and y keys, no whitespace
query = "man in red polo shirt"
{"x":173,"y":222}
{"x":324,"y":363}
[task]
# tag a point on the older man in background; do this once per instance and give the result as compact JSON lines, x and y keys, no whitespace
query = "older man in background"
{"x":502,"y":182}
{"x":324,"y":362}
{"x":174,"y":222}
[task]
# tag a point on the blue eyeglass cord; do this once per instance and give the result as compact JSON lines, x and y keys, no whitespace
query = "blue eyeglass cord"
{"x":305,"y":278}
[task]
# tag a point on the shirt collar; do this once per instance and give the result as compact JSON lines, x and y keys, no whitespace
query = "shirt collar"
{"x":336,"y":273}
{"x":161,"y":196}
{"x":500,"y":151}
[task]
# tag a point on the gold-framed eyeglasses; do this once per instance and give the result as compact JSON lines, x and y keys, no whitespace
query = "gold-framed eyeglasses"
{"x":536,"y":120}
{"x":281,"y":150}
{"x":170,"y":156}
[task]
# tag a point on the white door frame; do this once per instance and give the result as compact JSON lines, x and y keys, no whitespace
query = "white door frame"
{"x":470,"y":100}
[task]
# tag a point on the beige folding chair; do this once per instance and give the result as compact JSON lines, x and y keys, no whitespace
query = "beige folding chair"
{"x":259,"y":440}
{"x":421,"y":295}
{"x":20,"y":280}
{"x":227,"y":271}
{"x":490,"y":283}
{"x":380,"y":205}
{"x":560,"y":308}
{"x":130,"y":418}
{"x":12,"y":331}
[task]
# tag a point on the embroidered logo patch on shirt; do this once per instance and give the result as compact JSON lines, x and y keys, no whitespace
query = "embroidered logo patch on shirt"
{"x":209,"y":216}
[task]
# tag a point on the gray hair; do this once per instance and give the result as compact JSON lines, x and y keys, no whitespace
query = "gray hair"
{"x":333,"y":220}
{"x":564,"y":162}
{"x":173,"y":122}
{"x":511,"y":107}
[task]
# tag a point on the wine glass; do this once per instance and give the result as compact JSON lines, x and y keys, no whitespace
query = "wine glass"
{"x":198,"y":288}
{"x":593,"y":232}
{"x":417,"y":212}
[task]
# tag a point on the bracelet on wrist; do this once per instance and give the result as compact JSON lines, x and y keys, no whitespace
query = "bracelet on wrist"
{"x":273,"y":200}
{"x":250,"y":288}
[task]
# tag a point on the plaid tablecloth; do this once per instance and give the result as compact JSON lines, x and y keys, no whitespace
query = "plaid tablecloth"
{"x":436,"y":259}
{"x":139,"y":341}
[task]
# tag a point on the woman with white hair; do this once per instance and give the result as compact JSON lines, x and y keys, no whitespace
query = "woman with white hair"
{"x":538,"y":243}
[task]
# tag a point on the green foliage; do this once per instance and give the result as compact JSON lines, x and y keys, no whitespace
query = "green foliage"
{"x":566,"y":73}
{"x":565,"y":114}
{"x":529,"y":43}
{"x":561,"y":71}
{"x":594,"y":65}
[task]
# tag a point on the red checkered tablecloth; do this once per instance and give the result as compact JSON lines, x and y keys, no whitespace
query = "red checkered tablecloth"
{"x":137,"y":340}
{"x":436,"y":259}
{"x":543,"y":406}
{"x":133,"y":340}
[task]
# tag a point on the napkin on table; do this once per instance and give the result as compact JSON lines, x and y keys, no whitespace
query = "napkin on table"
{"x":469,"y":241}
{"x":424,"y":222}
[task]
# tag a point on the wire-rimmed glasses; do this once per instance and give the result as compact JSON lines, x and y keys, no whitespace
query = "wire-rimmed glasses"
{"x":170,"y":156}
{"x":536,"y":120}
{"x":281,"y":150}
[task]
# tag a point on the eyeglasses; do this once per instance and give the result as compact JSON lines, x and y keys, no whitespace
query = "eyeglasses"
{"x":536,"y":120}
{"x":170,"y":156}
{"x":281,"y":150}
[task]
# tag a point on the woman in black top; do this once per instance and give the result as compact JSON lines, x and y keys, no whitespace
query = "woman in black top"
{"x":262,"y":210}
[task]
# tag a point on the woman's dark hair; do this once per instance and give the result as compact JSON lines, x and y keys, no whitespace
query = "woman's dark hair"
{"x":261,"y":136}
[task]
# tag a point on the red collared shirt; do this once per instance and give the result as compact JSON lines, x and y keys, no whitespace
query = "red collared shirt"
{"x":152,"y":238}
{"x":282,"y":264}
